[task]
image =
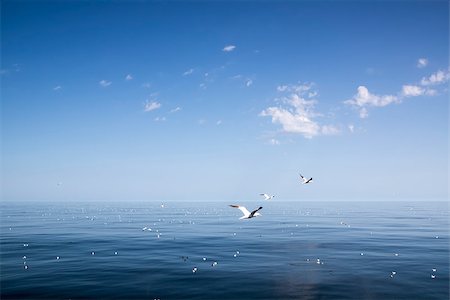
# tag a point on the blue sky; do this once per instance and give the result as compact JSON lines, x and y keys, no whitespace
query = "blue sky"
{"x":211,"y":100}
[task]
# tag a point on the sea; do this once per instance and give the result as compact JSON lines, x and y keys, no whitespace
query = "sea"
{"x":201,"y":250}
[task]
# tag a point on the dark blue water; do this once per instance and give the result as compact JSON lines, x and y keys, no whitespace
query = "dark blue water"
{"x":296,"y":250}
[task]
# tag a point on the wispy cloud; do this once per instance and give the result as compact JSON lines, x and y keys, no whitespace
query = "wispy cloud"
{"x":219,"y":122}
{"x":274,"y":142}
{"x":146,"y":85}
{"x":363,"y":113}
{"x":245,"y":80}
{"x":330,"y":130}
{"x":188,"y":72}
{"x":422,"y":63}
{"x":296,"y":88}
{"x":437,"y":78}
{"x":370,"y":71}
{"x":10,"y":70}
{"x":175,"y":109}
{"x":351,"y":127}
{"x":105,"y":83}
{"x":129,"y":77}
{"x":56,"y":88}
{"x":210,"y":77}
{"x":159,"y":119}
{"x":229,"y":48}
{"x":412,"y":90}
{"x":296,"y":114}
{"x":282,"y":88}
{"x":151,"y":105}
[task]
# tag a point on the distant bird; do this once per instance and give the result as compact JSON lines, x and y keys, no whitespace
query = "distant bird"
{"x":247,"y":214}
{"x":305,"y":181}
{"x":267,"y":197}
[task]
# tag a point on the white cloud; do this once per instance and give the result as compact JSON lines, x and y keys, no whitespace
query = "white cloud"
{"x":248,"y":82}
{"x":330,"y":130}
{"x":282,"y":88}
{"x":149,"y":106}
{"x":201,"y":122}
{"x":202,"y":86}
{"x":146,"y":85}
{"x":175,"y":109}
{"x":363,"y":113}
{"x":105,"y":83}
{"x":312,"y":94}
{"x":56,"y":88}
{"x":430,"y":92}
{"x":437,"y":78}
{"x":351,"y":127}
{"x":228,"y":48}
{"x":219,"y":122}
{"x":293,"y":122}
{"x":159,"y":119}
{"x":297,"y":88}
{"x":128,"y":77}
{"x":412,"y":90}
{"x":363,"y":99}
{"x":188,"y":72}
{"x":297,"y":113}
{"x":422,"y":62}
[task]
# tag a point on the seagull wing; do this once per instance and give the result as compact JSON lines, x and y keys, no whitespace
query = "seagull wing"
{"x":266,"y":197}
{"x":242,"y":209}
{"x":253,"y":212}
{"x":303,"y":178}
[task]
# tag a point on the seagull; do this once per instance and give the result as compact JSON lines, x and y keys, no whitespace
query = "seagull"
{"x":267,"y":197}
{"x":247,"y":214}
{"x":305,"y":181}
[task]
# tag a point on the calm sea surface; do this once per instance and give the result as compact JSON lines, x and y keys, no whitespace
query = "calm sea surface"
{"x":295,"y":250}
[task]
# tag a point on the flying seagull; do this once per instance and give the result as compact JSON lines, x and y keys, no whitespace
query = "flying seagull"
{"x":267,"y":197}
{"x":305,"y":181}
{"x":247,"y":214}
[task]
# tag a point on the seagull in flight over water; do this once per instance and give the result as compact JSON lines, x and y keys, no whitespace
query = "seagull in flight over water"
{"x":247,"y":214}
{"x":267,"y":197}
{"x":305,"y":181}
